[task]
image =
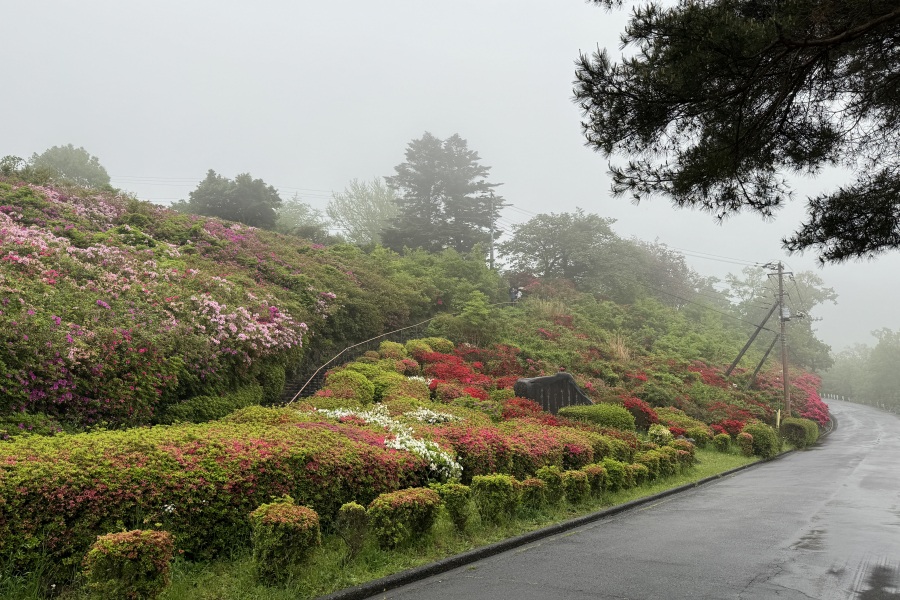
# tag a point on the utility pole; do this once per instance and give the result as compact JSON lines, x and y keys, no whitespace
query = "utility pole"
{"x":752,"y":379}
{"x":491,"y":261}
{"x":784,"y":364}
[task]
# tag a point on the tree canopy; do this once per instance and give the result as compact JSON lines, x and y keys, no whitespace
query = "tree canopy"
{"x":243,"y":199}
{"x":68,"y":164}
{"x":725,"y":98}
{"x":445,"y":200}
{"x":363,"y":210}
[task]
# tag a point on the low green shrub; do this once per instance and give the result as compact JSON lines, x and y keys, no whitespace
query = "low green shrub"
{"x":616,"y":476}
{"x":201,"y":409}
{"x":387,"y":381}
{"x":417,"y":348}
{"x":456,"y":498}
{"x":129,"y":564}
{"x":596,"y":476}
{"x":283,"y":536}
{"x":350,"y":385}
{"x":605,"y":415}
{"x":800,"y":433}
{"x":553,"y":483}
{"x":671,"y":461}
{"x":640,"y":474}
{"x":722,"y":441}
{"x":19,"y":423}
{"x":745,"y":443}
{"x":394,"y":350}
{"x":687,"y":447}
{"x":352,"y":525}
{"x":533,"y":493}
{"x":652,"y":459}
{"x":700,"y":435}
{"x":496,"y":496}
{"x":396,"y":518}
{"x":765,"y":441}
{"x":272,"y":378}
{"x":439,"y":344}
{"x":576,"y":486}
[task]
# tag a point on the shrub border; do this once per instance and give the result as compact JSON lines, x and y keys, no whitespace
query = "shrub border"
{"x":379,"y":586}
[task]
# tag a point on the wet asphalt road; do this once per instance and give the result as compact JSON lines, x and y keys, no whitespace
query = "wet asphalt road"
{"x":824,"y":524}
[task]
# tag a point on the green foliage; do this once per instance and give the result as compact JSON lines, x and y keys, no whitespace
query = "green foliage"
{"x":605,"y":415}
{"x":388,"y":349}
{"x":283,"y":536}
{"x":722,"y":441}
{"x":298,"y":218}
{"x":551,"y":475}
{"x":444,"y":200}
{"x":396,"y":518}
{"x":350,"y":385}
{"x":457,"y":499}
{"x":638,"y":473}
{"x":725,"y":152}
{"x":272,"y":378}
{"x":363,"y":210}
{"x":596,"y":476}
{"x":418,"y":347}
{"x":800,"y":433}
{"x":19,"y":423}
{"x":352,"y":525}
{"x":68,"y":164}
{"x":576,"y":486}
{"x":533,"y":492}
{"x":208,"y":408}
{"x":439,"y":344}
{"x":617,"y":477}
{"x":134,"y":565}
{"x":745,"y":443}
{"x":242,"y":199}
{"x":700,"y":435}
{"x":497,"y":496}
{"x":765,"y":441}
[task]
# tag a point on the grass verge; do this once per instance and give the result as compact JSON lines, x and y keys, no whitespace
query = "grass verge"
{"x":232,"y":577}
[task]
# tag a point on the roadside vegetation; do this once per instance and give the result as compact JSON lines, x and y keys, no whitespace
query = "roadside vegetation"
{"x":145,"y":354}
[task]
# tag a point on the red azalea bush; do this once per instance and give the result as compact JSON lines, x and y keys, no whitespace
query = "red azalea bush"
{"x":807,"y":402}
{"x":730,"y":426}
{"x":644,"y":415}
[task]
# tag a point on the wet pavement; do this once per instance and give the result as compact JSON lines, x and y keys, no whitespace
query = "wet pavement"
{"x":823,"y":524}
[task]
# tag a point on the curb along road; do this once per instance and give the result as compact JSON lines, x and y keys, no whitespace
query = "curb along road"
{"x":396,"y":580}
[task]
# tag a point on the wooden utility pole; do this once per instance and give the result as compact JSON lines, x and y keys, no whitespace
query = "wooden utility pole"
{"x":752,"y":379}
{"x":750,"y":341}
{"x":784,"y":363}
{"x":491,"y":264}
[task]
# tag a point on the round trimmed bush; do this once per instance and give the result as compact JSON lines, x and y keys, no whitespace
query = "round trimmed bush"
{"x":351,"y":525}
{"x":283,"y":536}
{"x":765,"y":442}
{"x":700,"y":435}
{"x":129,"y":564}
{"x":553,"y":484}
{"x":596,"y":475}
{"x":497,"y":496}
{"x":456,"y":498}
{"x":389,"y":349}
{"x":605,"y":415}
{"x":396,"y":518}
{"x":800,"y":433}
{"x":722,"y":441}
{"x":533,"y":493}
{"x":576,"y":486}
{"x":660,"y":434}
{"x":350,"y":385}
{"x":745,"y":443}
{"x":640,"y":474}
{"x":617,"y":478}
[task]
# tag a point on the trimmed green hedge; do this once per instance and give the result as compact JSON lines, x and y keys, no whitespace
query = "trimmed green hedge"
{"x":801,"y":433}
{"x":396,"y":518}
{"x":209,"y":408}
{"x":765,"y":441}
{"x":605,"y":415}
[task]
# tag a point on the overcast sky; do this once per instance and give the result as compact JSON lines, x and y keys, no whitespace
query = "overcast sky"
{"x":309,"y":95}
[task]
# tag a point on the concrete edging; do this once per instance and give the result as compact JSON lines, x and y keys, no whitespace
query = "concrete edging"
{"x":377,"y":586}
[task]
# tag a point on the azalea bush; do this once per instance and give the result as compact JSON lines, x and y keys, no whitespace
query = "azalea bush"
{"x":396,"y":518}
{"x":283,"y":536}
{"x":134,"y":565}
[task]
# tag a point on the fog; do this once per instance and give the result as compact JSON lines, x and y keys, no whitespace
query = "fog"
{"x":308,"y":95}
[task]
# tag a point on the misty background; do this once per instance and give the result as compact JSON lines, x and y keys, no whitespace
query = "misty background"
{"x":309,"y":95}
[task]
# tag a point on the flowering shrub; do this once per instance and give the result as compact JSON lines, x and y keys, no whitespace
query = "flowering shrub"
{"x":659,"y":434}
{"x":596,"y":476}
{"x":644,"y":415}
{"x":199,"y":481}
{"x":497,"y":496}
{"x":283,"y":536}
{"x":396,"y":518}
{"x":745,"y":443}
{"x":807,"y":401}
{"x":722,"y":441}
{"x":617,"y":477}
{"x":130,"y":564}
{"x":730,"y":426}
{"x":700,"y":435}
{"x":516,"y":408}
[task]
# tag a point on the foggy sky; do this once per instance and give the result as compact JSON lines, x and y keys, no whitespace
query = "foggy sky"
{"x":308,"y":95}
